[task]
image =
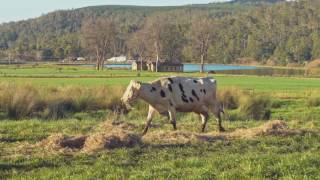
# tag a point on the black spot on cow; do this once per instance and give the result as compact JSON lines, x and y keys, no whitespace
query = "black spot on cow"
{"x":191,"y":99}
{"x":153,"y":89}
{"x":170,"y":87}
{"x":204,"y":91}
{"x":195,"y":94}
{"x":181,"y":88}
{"x":162,"y":93}
{"x":195,"y":81}
{"x":184,"y":99}
{"x":171,"y":81}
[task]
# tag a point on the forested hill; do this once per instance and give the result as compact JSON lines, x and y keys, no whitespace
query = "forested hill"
{"x":274,"y":30}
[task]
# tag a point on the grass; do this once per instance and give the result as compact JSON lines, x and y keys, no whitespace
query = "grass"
{"x":265,"y":157}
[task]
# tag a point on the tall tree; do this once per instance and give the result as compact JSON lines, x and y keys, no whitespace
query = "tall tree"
{"x":100,"y":37}
{"x":164,"y":38}
{"x":202,"y":33}
{"x":137,"y":45}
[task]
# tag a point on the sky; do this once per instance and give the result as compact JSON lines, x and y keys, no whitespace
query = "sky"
{"x":14,"y":10}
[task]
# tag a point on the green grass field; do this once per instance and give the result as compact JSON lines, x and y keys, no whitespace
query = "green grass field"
{"x":264,"y":157}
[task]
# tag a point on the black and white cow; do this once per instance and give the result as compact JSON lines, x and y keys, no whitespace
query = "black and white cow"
{"x":169,"y":95}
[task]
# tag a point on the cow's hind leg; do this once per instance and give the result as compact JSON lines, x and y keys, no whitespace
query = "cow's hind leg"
{"x":216,"y":110}
{"x":204,"y":120}
{"x":172,"y":117}
{"x":217,"y":114}
{"x":149,"y":119}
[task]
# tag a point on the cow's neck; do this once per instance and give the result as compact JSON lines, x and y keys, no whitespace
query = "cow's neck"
{"x":146,"y":95}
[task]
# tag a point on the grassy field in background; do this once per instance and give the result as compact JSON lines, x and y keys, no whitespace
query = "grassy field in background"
{"x":265,"y":157}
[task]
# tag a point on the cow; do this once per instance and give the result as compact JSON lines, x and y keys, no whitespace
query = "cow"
{"x":168,"y":95}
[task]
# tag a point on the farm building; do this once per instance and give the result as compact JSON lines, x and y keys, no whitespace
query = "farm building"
{"x":137,"y":65}
{"x":117,"y":59}
{"x":165,"y":66}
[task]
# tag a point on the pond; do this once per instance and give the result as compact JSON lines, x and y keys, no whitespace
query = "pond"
{"x":233,"y":69}
{"x":190,"y":67}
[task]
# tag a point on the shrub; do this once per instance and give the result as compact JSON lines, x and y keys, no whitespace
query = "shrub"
{"x":19,"y":102}
{"x":313,"y":101}
{"x":58,"y":108}
{"x":26,"y":101}
{"x":256,"y":107}
{"x":230,"y":97}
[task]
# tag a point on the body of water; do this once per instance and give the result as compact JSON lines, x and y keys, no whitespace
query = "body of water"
{"x":215,"y":67}
{"x":233,"y":69}
{"x":189,"y":67}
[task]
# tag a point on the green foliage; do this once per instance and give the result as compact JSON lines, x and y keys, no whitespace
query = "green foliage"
{"x":257,"y":107}
{"x":286,"y":32}
{"x":265,"y":157}
{"x":313,"y":101}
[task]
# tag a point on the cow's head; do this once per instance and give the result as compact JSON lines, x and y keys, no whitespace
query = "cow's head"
{"x":131,"y":94}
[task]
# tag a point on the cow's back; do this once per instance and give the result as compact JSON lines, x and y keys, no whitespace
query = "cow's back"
{"x":188,"y":93}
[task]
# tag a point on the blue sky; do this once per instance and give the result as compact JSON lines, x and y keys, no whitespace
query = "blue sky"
{"x":13,"y":10}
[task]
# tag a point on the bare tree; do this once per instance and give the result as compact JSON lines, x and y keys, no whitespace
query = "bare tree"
{"x":201,"y":35}
{"x":100,"y":37}
{"x":137,"y":45}
{"x":164,"y":37}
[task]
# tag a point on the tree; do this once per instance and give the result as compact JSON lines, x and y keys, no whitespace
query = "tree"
{"x":137,"y":45}
{"x":100,"y":37}
{"x":164,"y":38}
{"x":202,"y":33}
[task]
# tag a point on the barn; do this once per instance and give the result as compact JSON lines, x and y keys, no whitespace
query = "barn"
{"x":165,"y":66}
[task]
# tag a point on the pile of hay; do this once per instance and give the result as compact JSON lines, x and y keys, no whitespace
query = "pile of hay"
{"x":276,"y":128}
{"x":110,"y":135}
{"x":107,"y":136}
{"x":62,"y":143}
{"x":110,"y":140}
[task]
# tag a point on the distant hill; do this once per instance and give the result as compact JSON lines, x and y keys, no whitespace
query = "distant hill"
{"x":44,"y":31}
{"x":275,"y":31}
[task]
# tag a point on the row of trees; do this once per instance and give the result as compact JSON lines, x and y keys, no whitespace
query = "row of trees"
{"x":283,"y":33}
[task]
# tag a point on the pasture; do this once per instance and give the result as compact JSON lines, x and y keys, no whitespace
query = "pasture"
{"x":167,"y":155}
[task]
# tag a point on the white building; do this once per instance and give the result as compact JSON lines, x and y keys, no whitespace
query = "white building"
{"x":117,"y":59}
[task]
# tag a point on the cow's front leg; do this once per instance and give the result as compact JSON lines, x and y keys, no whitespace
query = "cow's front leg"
{"x":172,"y":117}
{"x":204,"y":120}
{"x":149,"y":119}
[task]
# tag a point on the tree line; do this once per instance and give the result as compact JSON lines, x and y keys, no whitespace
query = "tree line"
{"x":277,"y":34}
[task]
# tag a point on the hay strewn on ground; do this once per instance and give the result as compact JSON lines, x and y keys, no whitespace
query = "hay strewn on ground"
{"x":117,"y":134}
{"x":276,"y":128}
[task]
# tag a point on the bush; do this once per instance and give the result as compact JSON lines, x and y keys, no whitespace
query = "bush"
{"x":256,"y":107}
{"x":313,"y":101}
{"x":230,"y":97}
{"x":58,"y":108}
{"x":25,"y":101}
{"x":19,"y":102}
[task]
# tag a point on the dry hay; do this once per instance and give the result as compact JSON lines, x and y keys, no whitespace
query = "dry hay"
{"x":110,"y":140}
{"x":118,"y":134}
{"x":275,"y":128}
{"x":314,"y":64}
{"x":107,"y":136}
{"x":62,"y":143}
